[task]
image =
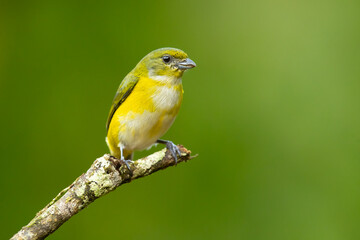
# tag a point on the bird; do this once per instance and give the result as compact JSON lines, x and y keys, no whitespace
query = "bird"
{"x":147,"y":103}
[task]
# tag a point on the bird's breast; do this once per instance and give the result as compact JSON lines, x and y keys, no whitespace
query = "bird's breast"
{"x":147,"y":114}
{"x":167,"y":98}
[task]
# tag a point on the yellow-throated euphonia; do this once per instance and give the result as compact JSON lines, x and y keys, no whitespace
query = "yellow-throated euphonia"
{"x":146,"y":103}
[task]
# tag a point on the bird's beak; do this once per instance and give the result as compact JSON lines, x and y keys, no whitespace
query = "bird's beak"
{"x":186,"y":64}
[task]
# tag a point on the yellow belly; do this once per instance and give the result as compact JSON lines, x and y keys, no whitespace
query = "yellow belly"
{"x":144,"y":117}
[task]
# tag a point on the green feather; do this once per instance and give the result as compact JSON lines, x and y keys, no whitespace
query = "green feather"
{"x":124,"y":90}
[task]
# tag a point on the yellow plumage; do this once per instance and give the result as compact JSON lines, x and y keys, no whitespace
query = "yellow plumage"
{"x":151,"y":107}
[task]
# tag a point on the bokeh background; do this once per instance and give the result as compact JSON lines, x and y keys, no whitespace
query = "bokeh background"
{"x":273,"y":109}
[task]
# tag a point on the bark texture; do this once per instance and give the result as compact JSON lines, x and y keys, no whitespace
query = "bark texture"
{"x":104,"y":175}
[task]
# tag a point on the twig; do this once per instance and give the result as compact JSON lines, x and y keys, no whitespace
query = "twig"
{"x":104,"y":175}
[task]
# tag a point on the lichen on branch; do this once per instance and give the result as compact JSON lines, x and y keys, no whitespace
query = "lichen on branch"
{"x":104,"y":175}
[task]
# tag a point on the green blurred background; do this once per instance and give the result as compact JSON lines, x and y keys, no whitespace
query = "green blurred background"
{"x":273,"y":109}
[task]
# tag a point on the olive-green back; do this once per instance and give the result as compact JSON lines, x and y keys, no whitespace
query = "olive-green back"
{"x":124,"y":90}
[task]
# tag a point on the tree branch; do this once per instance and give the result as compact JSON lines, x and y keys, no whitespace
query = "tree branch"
{"x":104,"y":175}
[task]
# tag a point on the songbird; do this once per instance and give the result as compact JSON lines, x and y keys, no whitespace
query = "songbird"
{"x":146,"y":103}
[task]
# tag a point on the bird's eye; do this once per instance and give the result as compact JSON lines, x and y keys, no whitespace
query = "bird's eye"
{"x":166,"y":58}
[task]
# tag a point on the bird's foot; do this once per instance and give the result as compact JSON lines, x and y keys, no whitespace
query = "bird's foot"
{"x":174,"y":150}
{"x":126,"y":162}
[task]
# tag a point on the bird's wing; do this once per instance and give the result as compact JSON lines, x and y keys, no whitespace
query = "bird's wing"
{"x":125,"y":88}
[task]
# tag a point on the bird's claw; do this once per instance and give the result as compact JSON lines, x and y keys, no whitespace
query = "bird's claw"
{"x":126,"y":162}
{"x":174,"y":150}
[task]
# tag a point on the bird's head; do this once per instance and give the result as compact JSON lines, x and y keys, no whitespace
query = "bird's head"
{"x":164,"y":63}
